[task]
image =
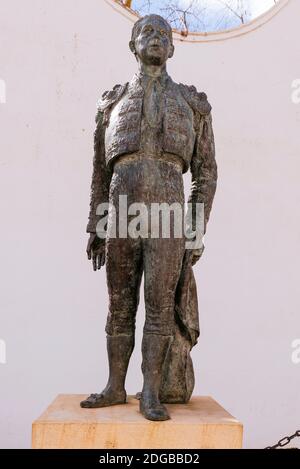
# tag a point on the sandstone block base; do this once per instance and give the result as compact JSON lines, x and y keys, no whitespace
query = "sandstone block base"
{"x":202,"y":423}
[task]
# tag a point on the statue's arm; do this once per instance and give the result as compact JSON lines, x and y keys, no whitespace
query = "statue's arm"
{"x":204,"y":167}
{"x":101,"y":178}
{"x":204,"y":170}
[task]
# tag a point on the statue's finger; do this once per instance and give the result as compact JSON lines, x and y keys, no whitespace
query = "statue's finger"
{"x":103,"y":259}
{"x":195,"y":259}
{"x":99,"y":261}
{"x":95,"y":263}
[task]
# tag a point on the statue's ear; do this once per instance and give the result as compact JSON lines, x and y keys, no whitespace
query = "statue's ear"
{"x":132,"y":47}
{"x":171,"y":53}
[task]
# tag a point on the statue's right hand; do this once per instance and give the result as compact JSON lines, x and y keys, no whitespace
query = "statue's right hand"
{"x":96,"y":251}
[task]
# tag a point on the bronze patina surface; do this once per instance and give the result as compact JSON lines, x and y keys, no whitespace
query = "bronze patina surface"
{"x":148,"y":133}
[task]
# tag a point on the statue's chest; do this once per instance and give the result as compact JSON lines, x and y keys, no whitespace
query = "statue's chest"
{"x":135,"y":123}
{"x":165,"y":108}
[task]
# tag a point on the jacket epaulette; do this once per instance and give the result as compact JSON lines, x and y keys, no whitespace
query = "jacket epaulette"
{"x":110,"y":97}
{"x":197,"y":101}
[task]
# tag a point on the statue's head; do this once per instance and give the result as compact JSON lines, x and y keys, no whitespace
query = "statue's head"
{"x":151,"y":40}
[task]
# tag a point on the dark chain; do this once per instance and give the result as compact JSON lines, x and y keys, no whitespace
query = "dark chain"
{"x":284,"y":441}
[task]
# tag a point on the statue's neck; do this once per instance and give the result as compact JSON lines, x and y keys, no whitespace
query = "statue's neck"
{"x":154,"y":71}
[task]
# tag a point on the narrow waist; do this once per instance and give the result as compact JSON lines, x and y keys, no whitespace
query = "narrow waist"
{"x":167,"y":158}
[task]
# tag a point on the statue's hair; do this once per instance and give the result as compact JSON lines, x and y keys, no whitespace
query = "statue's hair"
{"x":138,"y":24}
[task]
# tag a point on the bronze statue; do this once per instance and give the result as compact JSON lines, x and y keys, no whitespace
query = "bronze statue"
{"x":148,"y":133}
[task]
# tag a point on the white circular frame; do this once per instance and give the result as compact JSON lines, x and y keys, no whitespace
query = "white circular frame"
{"x":209,"y":36}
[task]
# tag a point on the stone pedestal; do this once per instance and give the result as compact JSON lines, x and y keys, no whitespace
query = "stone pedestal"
{"x":202,"y":423}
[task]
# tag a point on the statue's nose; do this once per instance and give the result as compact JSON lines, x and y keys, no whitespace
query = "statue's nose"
{"x":156,"y":36}
{"x":156,"y":39}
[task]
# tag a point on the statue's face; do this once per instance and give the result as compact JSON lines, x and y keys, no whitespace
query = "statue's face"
{"x":153,"y":44}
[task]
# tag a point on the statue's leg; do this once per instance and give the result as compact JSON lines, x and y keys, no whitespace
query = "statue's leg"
{"x":124,"y":272}
{"x":154,"y":350}
{"x":119,"y":349}
{"x":162,"y":265}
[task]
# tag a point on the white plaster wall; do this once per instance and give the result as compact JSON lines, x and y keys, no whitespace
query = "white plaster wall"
{"x":56,"y":58}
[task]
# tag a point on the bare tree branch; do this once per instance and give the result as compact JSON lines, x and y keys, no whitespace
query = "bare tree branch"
{"x":198,"y":15}
{"x":234,"y":10}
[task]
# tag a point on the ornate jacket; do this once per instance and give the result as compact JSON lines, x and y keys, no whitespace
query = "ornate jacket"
{"x":187,"y":133}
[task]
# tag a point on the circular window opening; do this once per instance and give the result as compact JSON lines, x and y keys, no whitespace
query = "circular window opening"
{"x":202,"y":16}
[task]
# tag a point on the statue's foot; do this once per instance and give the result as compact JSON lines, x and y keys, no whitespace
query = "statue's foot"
{"x":152,"y":409}
{"x":104,"y":399}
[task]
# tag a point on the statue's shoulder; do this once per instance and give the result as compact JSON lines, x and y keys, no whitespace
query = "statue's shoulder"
{"x":197,"y":100}
{"x":111,"y":96}
{"x":106,"y":102}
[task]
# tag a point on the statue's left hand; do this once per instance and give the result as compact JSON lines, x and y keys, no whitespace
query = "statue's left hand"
{"x":96,"y":251}
{"x":196,"y":254}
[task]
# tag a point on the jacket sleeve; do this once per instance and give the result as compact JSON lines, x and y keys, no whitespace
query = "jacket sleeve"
{"x":101,"y":176}
{"x":204,"y":167}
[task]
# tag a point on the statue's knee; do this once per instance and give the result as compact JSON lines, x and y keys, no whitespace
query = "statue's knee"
{"x":159,"y":328}
{"x":160,"y":320}
{"x":118,"y":324}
